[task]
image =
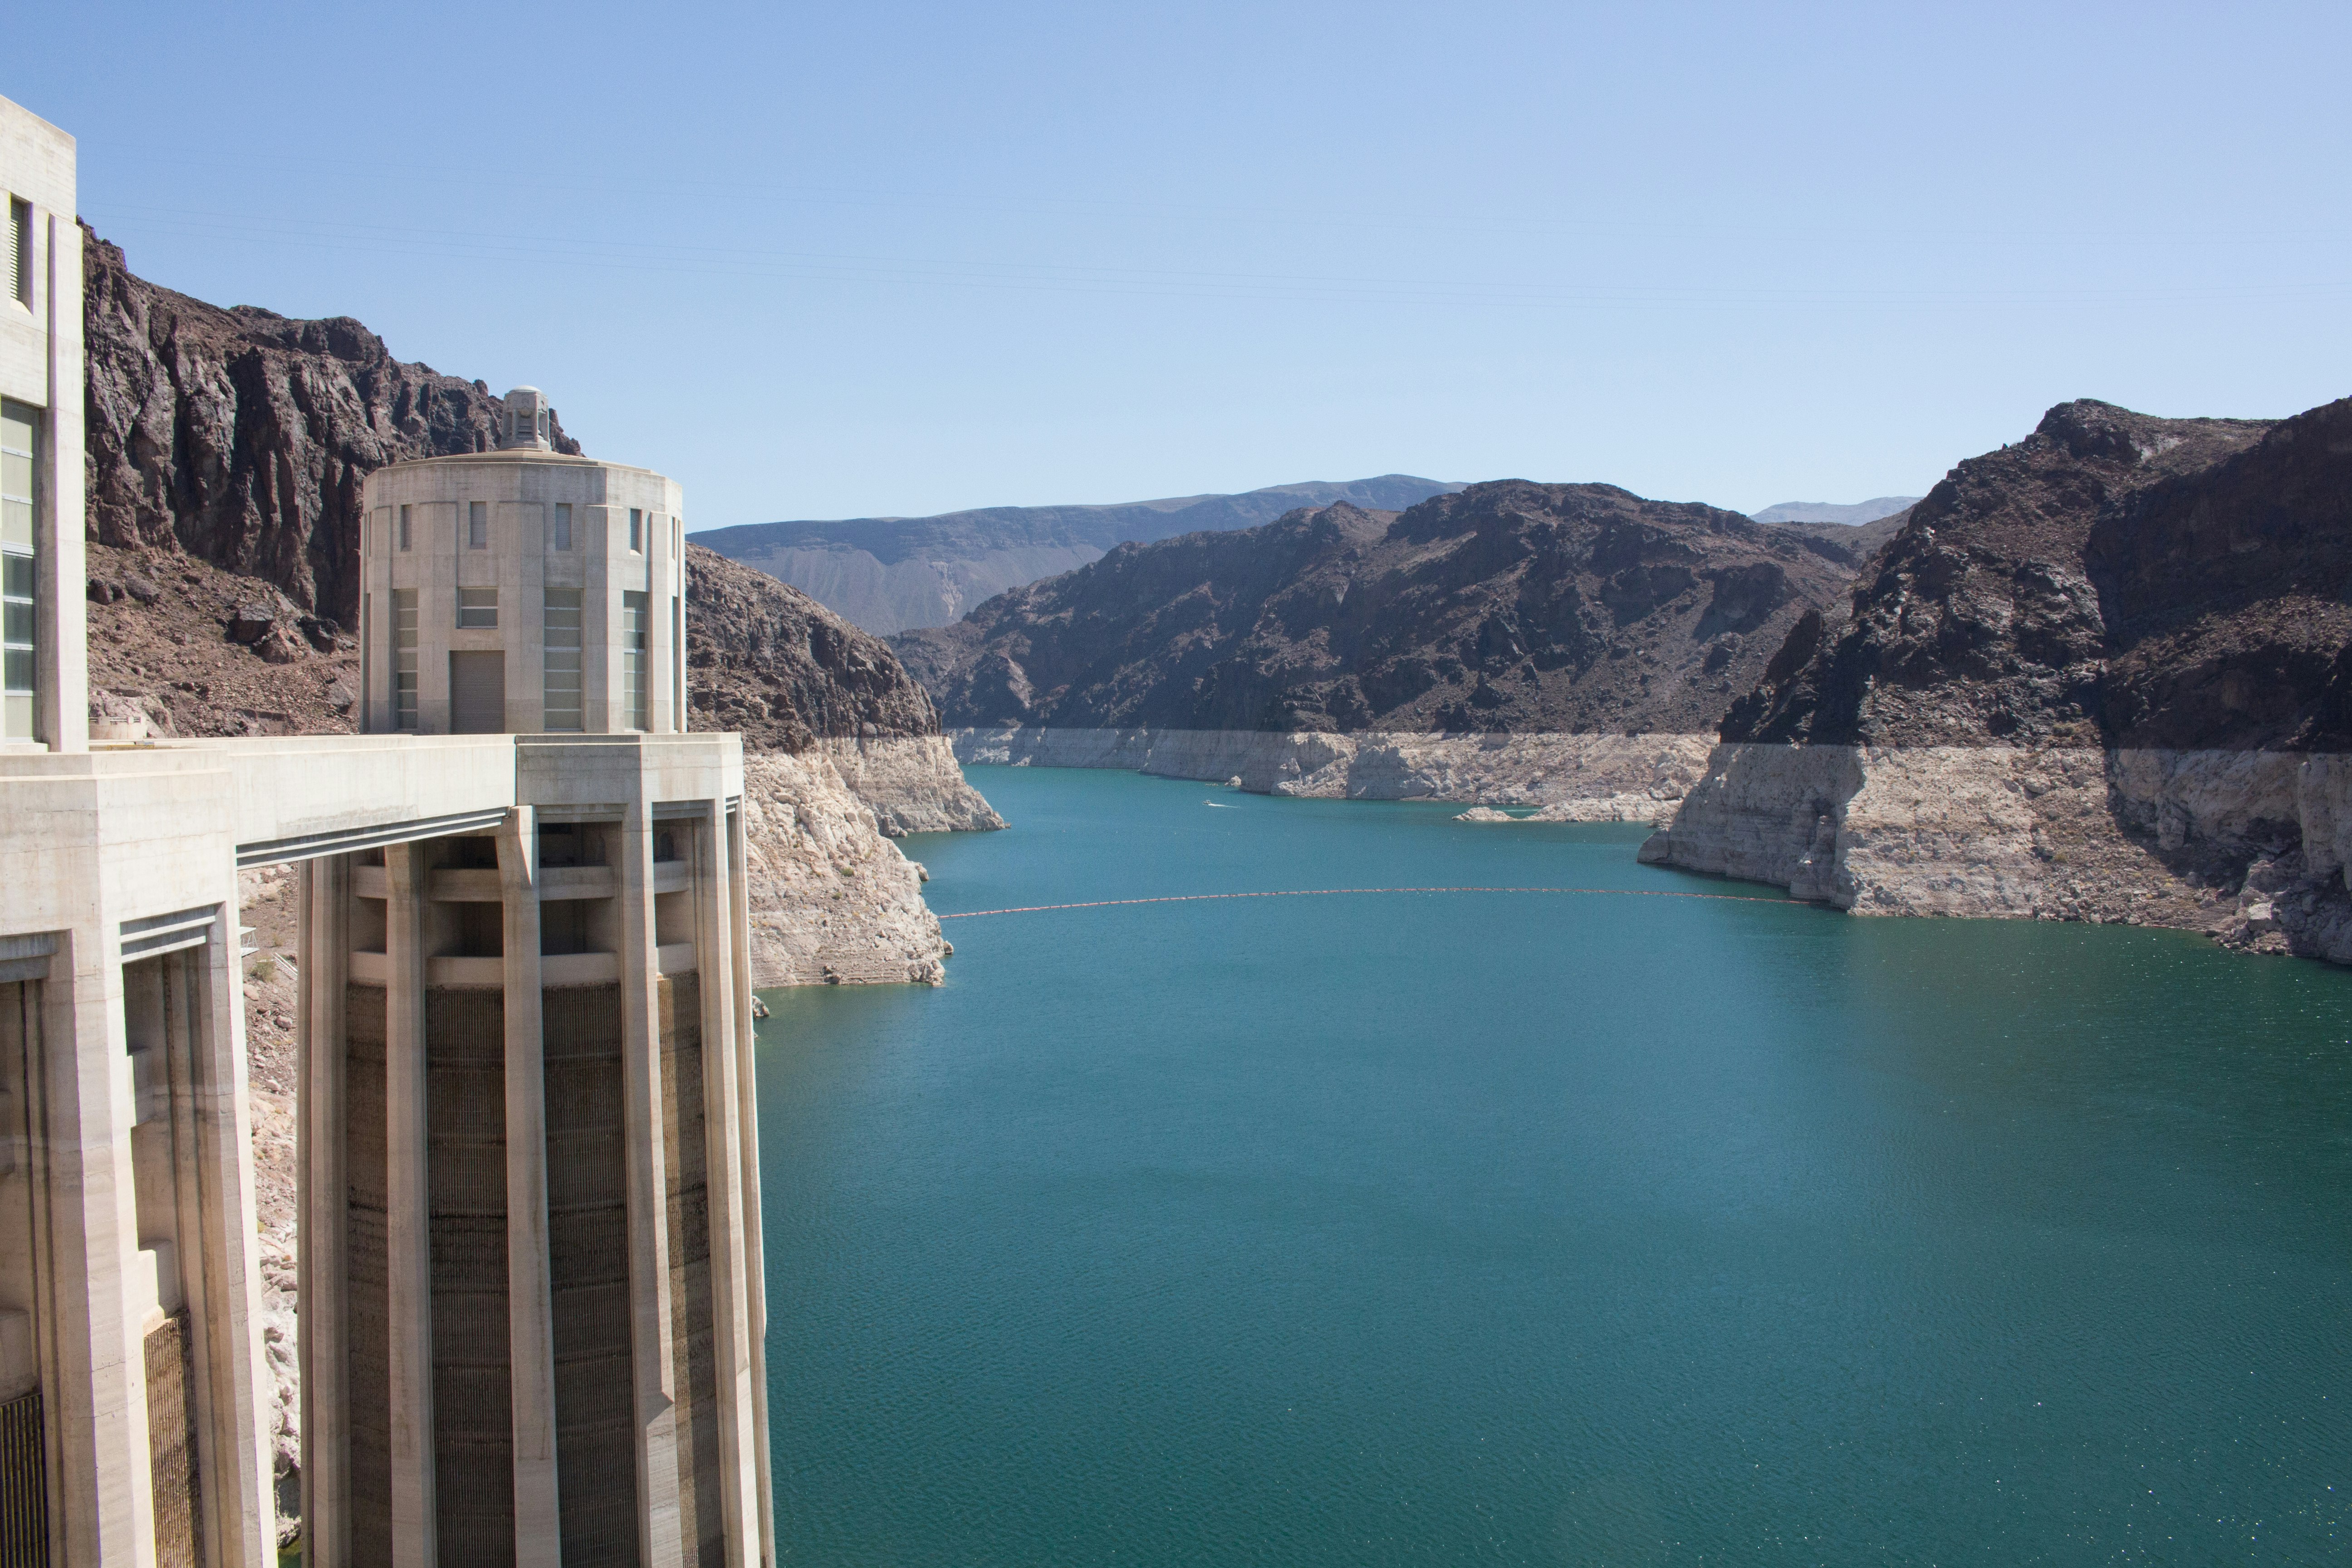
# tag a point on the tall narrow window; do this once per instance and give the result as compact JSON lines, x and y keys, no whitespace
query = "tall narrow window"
{"x":560,"y":694}
{"x":404,"y":528}
{"x":635,"y":643}
{"x":636,"y":527}
{"x":19,"y":572}
{"x":403,"y":658}
{"x":477,"y":525}
{"x":20,"y":251}
{"x":563,"y":525}
{"x":477,"y":607}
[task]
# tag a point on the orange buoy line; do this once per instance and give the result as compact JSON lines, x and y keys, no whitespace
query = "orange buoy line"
{"x":1337,"y":892}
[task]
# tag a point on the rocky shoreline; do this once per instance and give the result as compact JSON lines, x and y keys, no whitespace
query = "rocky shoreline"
{"x":833,"y":902}
{"x":1631,"y":778}
{"x":2249,"y":847}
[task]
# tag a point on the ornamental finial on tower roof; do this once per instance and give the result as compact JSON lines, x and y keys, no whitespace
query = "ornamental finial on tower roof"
{"x":528,"y":423}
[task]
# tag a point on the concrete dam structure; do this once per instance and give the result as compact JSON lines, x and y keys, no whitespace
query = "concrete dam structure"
{"x":530,"y":1280}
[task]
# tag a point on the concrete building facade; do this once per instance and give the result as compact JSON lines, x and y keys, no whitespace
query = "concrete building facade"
{"x":532,"y":1297}
{"x":521,"y":590}
{"x":44,"y":675}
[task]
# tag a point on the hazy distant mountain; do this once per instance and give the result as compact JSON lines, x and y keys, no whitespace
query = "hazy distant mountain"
{"x":897,"y":574}
{"x":1831,"y":512}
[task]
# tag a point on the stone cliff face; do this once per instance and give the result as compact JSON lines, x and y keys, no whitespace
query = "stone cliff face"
{"x":1508,"y":607}
{"x":1980,"y":624}
{"x":241,"y":437}
{"x":765,"y":658}
{"x":2103,"y":674}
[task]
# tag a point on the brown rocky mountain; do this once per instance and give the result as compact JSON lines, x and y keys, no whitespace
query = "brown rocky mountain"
{"x":2102,"y":674}
{"x":1509,"y":606}
{"x":2112,"y":579}
{"x":766,"y":659}
{"x":240,"y":436}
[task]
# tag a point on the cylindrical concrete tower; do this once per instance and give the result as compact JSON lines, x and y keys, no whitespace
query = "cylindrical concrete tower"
{"x":522,"y":591}
{"x":531,"y":1299}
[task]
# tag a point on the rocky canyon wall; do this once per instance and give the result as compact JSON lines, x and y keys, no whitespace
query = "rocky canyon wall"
{"x":2104,"y":673}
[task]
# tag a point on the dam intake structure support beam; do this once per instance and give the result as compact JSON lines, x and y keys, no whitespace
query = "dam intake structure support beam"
{"x":535,"y":1101}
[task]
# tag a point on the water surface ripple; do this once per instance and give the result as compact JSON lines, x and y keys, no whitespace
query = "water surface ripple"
{"x":1471,"y":1227}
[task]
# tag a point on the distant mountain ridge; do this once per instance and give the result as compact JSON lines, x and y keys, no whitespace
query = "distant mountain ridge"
{"x":899,"y":573}
{"x":1859,"y":512}
{"x":1505,"y":607}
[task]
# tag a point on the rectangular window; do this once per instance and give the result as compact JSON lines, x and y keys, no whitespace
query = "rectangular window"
{"x":20,"y":665}
{"x":563,"y":525}
{"x":477,"y":525}
{"x":477,"y":607}
{"x":635,"y":641}
{"x":404,"y":528}
{"x":560,"y":694}
{"x":20,"y":251}
{"x":636,"y":523}
{"x":404,"y":656}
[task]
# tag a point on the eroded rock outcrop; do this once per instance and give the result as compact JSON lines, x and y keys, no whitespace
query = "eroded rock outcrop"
{"x":767,"y":660}
{"x":832,"y":901}
{"x":2102,"y":674}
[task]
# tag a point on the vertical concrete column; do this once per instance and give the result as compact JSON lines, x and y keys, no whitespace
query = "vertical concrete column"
{"x":218,"y":1255}
{"x":64,"y":700}
{"x":245,"y":1478}
{"x":746,"y":1079}
{"x":96,"y":1352}
{"x":659,"y":1528}
{"x":730,"y":1295}
{"x":321,"y":1265}
{"x":407,"y":1220}
{"x":529,"y":1309}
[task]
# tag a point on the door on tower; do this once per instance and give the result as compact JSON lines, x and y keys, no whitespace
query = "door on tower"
{"x":478,"y":693}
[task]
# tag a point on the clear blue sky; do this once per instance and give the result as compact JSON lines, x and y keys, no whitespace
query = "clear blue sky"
{"x":883,"y":257}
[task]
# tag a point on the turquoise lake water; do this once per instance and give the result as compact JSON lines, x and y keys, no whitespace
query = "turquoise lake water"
{"x":1496,"y":1227}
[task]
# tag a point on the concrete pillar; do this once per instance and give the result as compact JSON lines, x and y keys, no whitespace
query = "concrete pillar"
{"x":407,"y":1219}
{"x":62,"y":524}
{"x":730,"y":1296}
{"x":658,"y":1524}
{"x":746,"y":1079}
{"x":323,"y":975}
{"x":531,"y":1311}
{"x":216,"y":1253}
{"x":96,"y":1355}
{"x":241,"y":1467}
